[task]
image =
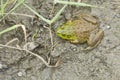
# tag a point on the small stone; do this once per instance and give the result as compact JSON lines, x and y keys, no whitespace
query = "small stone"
{"x":1,"y":66}
{"x":108,"y":27}
{"x":20,"y":74}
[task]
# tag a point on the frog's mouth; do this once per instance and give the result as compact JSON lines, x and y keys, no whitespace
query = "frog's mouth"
{"x":67,"y":36}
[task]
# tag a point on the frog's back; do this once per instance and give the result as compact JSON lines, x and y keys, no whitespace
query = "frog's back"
{"x":82,"y":26}
{"x":82,"y":29}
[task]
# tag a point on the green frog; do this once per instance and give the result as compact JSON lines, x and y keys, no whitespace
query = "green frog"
{"x":80,"y":30}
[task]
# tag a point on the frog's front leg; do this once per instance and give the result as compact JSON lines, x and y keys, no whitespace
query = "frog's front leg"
{"x":74,"y":41}
{"x":94,"y":40}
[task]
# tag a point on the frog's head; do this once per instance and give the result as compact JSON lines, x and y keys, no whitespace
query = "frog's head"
{"x":66,"y":31}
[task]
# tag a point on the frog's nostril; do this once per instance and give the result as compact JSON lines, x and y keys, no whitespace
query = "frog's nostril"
{"x":62,"y":28}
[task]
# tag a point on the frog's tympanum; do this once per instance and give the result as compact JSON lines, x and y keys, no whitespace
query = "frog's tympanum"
{"x":83,"y":29}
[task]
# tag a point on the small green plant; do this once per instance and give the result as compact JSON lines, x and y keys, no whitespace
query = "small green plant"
{"x":20,"y":2}
{"x":59,"y":12}
{"x":3,"y":6}
{"x":73,"y":3}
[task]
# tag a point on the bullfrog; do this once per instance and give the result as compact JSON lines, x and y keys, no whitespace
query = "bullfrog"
{"x":82,"y":29}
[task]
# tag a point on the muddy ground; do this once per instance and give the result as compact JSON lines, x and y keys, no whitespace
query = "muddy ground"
{"x":101,"y":63}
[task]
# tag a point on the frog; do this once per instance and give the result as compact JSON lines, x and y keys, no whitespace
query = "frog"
{"x":82,"y":29}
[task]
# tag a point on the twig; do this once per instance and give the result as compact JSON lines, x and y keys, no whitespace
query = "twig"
{"x":50,"y":34}
{"x":45,"y":62}
{"x":19,"y":14}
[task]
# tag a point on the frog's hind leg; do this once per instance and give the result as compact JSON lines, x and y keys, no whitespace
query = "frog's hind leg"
{"x":91,"y":47}
{"x":94,"y":40}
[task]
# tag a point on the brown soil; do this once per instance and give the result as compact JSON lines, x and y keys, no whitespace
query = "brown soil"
{"x":101,"y":63}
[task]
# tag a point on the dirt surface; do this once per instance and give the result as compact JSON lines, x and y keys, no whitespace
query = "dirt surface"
{"x":101,"y":63}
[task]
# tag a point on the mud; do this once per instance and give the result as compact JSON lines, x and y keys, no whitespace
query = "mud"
{"x":101,"y":63}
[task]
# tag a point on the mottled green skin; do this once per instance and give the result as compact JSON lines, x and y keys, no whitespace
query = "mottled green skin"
{"x":66,"y":31}
{"x":83,"y":29}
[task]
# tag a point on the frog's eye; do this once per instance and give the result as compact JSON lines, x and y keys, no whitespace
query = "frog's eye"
{"x":63,"y":34}
{"x":69,"y":36}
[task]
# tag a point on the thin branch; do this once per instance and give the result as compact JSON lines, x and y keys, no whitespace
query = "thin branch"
{"x":38,"y":56}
